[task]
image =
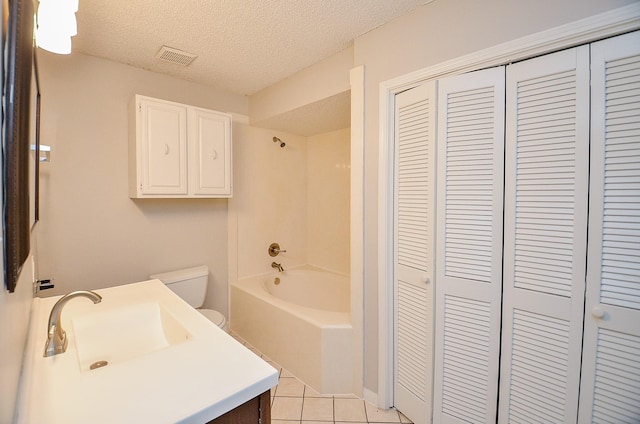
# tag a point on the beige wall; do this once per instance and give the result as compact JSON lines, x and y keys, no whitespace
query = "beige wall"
{"x":328,"y":193}
{"x":324,"y":79}
{"x":436,"y":32}
{"x":92,"y":235}
{"x":14,"y":321}
{"x":270,"y":201}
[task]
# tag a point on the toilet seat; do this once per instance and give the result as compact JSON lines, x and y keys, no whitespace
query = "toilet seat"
{"x":214,"y":316}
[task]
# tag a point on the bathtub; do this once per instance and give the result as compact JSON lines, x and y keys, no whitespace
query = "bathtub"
{"x":300,"y":319}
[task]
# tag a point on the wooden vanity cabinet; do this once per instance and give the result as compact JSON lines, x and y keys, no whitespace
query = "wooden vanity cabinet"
{"x":254,"y":411}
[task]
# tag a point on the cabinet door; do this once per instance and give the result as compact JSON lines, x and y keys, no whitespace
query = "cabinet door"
{"x":546,"y":194}
{"x":469,"y":239}
{"x":210,"y":160}
{"x":610,"y":386}
{"x":414,"y":228}
{"x":162,"y":158}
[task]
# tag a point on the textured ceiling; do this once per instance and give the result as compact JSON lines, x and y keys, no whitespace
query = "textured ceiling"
{"x":243,"y":46}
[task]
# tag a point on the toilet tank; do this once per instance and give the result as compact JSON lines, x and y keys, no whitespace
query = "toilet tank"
{"x":190,"y":283}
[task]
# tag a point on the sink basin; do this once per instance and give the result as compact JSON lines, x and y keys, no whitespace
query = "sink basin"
{"x":124,"y":333}
{"x":156,"y":346}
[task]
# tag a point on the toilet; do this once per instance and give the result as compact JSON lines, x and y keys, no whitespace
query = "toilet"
{"x":191,"y":285}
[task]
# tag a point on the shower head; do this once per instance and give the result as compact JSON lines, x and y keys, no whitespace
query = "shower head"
{"x":277,"y":140}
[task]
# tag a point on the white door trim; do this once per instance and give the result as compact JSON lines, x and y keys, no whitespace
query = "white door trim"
{"x":607,"y":24}
{"x":357,"y":225}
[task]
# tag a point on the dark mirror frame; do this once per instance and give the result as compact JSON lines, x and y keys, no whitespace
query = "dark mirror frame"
{"x":19,"y":48}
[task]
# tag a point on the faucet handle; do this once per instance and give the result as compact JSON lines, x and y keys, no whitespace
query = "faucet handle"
{"x":274,"y":249}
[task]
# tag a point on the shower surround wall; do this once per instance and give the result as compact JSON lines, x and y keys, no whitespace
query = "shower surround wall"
{"x":297,"y":196}
{"x":269,"y":202}
{"x":328,"y":194}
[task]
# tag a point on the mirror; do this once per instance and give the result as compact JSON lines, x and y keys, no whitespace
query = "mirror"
{"x":19,"y":47}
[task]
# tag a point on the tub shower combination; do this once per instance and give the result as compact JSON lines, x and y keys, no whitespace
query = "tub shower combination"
{"x":299,"y":318}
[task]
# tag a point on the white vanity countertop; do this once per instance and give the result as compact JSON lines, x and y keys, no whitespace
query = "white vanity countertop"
{"x":193,"y":381}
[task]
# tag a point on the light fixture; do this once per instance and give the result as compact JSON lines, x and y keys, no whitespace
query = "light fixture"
{"x":56,"y":24}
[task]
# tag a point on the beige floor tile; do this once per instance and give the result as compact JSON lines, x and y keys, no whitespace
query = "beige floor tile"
{"x":235,"y":335}
{"x":274,"y":365}
{"x":286,"y":408}
{"x":350,"y":422}
{"x":346,"y":396}
{"x":349,"y":410}
{"x":317,"y":409}
{"x":286,"y":373}
{"x":254,"y":350}
{"x":404,"y":419}
{"x":311,"y":392}
{"x":290,"y":386}
{"x":318,"y":422}
{"x":285,"y":421}
{"x":375,"y":415}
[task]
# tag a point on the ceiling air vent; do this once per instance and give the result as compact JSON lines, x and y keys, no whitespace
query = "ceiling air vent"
{"x":178,"y":57}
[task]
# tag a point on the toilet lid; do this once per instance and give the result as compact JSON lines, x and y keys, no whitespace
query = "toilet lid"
{"x":214,"y":316}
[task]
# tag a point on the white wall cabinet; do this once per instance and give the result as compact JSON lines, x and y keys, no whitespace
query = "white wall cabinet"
{"x":178,"y":151}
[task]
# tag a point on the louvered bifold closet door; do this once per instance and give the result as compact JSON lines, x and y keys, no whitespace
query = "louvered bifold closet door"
{"x":469,"y":240}
{"x":546,"y":199}
{"x":610,"y":388}
{"x":414,"y":222}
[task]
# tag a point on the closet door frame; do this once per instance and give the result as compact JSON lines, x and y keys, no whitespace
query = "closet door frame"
{"x":607,"y":24}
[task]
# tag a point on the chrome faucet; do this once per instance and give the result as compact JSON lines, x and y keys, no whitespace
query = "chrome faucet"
{"x":56,"y":336}
{"x":277,"y":266}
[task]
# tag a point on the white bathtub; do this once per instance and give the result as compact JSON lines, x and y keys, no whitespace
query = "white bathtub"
{"x":302,"y":322}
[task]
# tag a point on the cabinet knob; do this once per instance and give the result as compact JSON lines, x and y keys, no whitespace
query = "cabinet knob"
{"x":165,"y":150}
{"x":597,"y":312}
{"x":426,"y":279}
{"x":215,"y":154}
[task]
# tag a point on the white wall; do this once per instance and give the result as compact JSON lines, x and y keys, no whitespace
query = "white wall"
{"x":92,"y":235}
{"x":436,"y":32}
{"x":328,"y":194}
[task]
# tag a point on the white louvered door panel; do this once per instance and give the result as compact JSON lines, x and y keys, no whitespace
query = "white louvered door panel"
{"x":610,"y":387}
{"x":546,"y":196}
{"x":414,"y":211}
{"x":469,"y":239}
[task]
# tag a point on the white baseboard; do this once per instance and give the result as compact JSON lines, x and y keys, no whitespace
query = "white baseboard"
{"x":370,"y":396}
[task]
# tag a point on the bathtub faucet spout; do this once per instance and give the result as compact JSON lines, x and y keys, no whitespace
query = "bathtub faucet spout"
{"x":277,"y":266}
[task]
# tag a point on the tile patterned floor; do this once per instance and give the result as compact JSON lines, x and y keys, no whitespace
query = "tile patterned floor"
{"x":293,"y":402}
